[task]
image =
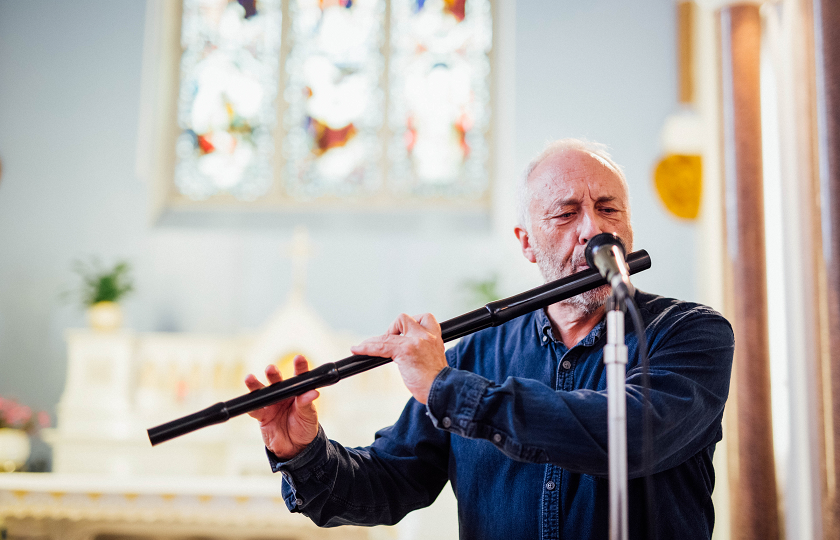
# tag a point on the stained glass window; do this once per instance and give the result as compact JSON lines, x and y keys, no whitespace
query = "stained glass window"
{"x":334,"y":97}
{"x":351,"y":130}
{"x":439,"y":96}
{"x":226,"y":103}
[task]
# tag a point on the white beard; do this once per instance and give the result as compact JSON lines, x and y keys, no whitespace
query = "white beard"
{"x":553,"y":268}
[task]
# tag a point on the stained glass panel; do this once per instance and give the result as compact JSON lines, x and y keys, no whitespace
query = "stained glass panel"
{"x":334,"y":96}
{"x":226,"y":110}
{"x":439,"y":94}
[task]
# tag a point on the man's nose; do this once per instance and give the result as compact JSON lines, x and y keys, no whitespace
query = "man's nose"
{"x":589,"y":227}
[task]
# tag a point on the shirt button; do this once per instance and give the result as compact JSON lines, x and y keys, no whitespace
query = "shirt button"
{"x":566,"y":364}
{"x":545,"y":338}
{"x":497,"y":438}
{"x":298,"y":502}
{"x":446,"y":422}
{"x":550,"y":485}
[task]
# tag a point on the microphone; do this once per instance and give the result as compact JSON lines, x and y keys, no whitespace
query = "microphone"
{"x":606,"y":252}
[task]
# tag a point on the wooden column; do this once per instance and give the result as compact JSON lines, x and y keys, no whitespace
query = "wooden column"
{"x":754,"y":510}
{"x":686,"y":15}
{"x":827,"y":53}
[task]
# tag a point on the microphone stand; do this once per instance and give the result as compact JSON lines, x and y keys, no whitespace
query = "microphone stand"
{"x":615,"y":359}
{"x":493,"y":314}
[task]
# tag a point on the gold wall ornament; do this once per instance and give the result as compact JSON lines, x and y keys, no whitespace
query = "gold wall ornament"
{"x":679,"y":183}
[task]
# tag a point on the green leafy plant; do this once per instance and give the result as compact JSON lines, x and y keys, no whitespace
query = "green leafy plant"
{"x":482,"y":291}
{"x":103,"y":285}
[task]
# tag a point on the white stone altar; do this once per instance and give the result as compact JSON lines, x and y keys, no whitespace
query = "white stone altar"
{"x":37,"y":506}
{"x":119,"y":384}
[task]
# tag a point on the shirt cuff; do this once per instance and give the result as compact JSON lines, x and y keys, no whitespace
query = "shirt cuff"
{"x":454,"y":399}
{"x":306,"y":458}
{"x":300,"y":468}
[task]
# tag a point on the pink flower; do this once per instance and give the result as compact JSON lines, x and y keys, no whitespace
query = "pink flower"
{"x":19,"y":415}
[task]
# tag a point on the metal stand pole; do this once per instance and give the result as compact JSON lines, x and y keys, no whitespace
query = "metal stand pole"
{"x":615,"y":358}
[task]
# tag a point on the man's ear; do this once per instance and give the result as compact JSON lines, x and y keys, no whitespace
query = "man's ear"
{"x":525,"y":242}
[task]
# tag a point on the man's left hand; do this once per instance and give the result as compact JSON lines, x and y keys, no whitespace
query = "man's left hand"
{"x":416,"y":347}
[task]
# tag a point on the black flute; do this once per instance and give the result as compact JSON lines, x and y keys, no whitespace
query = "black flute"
{"x":493,"y":314}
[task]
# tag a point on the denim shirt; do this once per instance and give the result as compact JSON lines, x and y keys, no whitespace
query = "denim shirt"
{"x":518,"y":424}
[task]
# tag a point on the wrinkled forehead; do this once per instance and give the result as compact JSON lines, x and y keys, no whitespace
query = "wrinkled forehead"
{"x":574,"y":171}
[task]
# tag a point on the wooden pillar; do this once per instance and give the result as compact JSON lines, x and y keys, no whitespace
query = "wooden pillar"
{"x":755,"y":509}
{"x":827,"y":53}
{"x":686,"y":15}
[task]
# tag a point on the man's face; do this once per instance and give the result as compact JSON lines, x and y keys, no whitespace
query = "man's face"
{"x":574,"y":196}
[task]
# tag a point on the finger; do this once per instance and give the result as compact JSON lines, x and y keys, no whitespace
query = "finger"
{"x":400,"y":325}
{"x":273,"y":374}
{"x":301,"y":365}
{"x":252,"y":383}
{"x":384,"y":346}
{"x":412,"y":326}
{"x":428,"y":321}
{"x":306,"y":399}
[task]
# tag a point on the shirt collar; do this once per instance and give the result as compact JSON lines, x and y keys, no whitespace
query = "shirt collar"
{"x":543,"y":329}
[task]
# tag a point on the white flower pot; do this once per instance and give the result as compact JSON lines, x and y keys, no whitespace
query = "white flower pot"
{"x":14,"y":449}
{"x":105,"y":316}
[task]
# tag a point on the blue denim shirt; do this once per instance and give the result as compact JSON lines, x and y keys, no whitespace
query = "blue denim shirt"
{"x":518,"y":424}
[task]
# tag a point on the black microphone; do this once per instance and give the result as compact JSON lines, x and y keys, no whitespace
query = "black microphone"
{"x":606,"y":252}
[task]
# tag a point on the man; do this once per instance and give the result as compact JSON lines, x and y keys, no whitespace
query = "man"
{"x":516,"y":416}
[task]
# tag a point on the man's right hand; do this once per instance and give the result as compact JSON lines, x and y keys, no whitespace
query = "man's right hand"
{"x":289,"y":425}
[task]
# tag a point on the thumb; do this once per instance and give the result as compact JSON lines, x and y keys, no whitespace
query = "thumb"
{"x":305,"y":402}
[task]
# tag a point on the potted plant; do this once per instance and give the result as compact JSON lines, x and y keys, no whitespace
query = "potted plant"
{"x":17,"y":423}
{"x":102,"y":290}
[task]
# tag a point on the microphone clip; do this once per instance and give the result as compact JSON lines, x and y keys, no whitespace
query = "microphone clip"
{"x":606,"y":253}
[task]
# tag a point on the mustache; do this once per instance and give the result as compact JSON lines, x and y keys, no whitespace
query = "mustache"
{"x":576,"y":261}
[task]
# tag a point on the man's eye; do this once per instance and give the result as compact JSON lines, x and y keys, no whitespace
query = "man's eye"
{"x":566,"y":215}
{"x":609,"y":210}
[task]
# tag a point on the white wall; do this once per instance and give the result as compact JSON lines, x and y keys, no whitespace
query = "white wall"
{"x":69,"y":102}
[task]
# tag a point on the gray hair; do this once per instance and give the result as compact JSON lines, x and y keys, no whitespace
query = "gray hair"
{"x":559,"y":146}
